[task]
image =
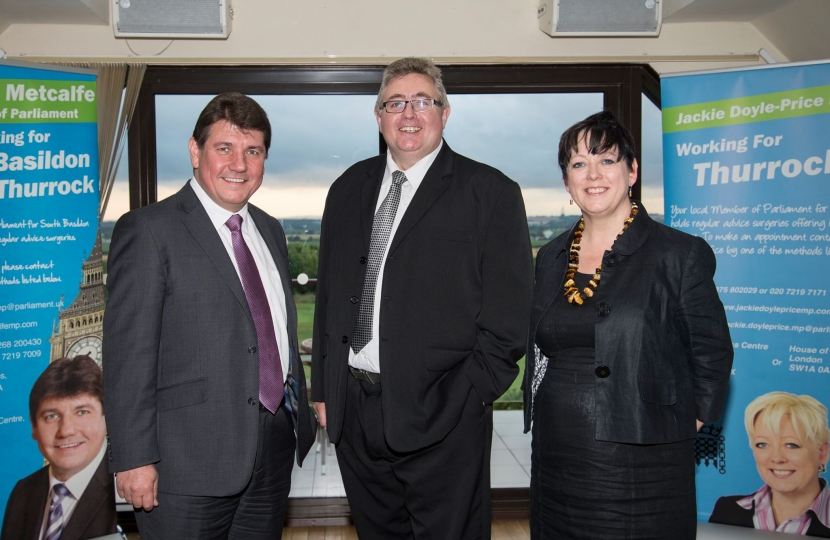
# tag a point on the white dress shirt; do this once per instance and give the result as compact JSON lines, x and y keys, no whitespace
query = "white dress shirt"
{"x":369,"y":357}
{"x":76,"y":486}
{"x":268,"y":272}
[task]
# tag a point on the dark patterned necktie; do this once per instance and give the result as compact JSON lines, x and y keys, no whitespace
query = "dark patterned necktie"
{"x":54,"y":525}
{"x":381,"y":227}
{"x":270,"y":367}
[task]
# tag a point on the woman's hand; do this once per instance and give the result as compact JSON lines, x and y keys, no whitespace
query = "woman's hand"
{"x":699,"y":424}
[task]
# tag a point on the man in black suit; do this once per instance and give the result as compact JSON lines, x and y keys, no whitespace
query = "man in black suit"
{"x":423,"y":299}
{"x":74,"y":496}
{"x":206,"y":395}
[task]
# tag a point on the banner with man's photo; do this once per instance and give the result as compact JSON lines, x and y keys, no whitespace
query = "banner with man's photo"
{"x":747,"y":167}
{"x":51,"y":279}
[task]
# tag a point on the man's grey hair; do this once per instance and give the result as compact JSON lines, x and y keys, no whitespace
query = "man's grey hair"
{"x":407,"y":66}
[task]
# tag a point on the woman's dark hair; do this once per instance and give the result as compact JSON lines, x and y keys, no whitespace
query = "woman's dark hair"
{"x":66,"y":378}
{"x":601,"y":132}
{"x":237,"y":109}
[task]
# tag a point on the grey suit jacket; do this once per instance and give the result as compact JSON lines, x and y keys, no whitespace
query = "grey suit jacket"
{"x":181,"y":373}
{"x":94,"y":514}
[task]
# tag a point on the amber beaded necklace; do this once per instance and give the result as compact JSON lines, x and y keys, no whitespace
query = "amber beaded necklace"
{"x":572,"y":293}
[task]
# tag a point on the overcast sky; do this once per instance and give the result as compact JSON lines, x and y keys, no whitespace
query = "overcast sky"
{"x":315,"y":138}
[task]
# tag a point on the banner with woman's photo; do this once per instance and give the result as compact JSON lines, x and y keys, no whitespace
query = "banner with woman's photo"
{"x":747,"y":167}
{"x":51,"y":284}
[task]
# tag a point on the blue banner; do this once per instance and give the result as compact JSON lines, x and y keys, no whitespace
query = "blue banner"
{"x":48,"y":250}
{"x":747,"y":167}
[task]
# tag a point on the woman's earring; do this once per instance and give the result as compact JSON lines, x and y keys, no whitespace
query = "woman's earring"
{"x":572,"y":202}
{"x":630,"y":194}
{"x":822,"y":468}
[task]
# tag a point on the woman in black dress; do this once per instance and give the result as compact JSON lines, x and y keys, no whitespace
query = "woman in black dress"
{"x":629,"y":353}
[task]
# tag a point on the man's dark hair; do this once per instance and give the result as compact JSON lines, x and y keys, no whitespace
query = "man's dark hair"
{"x":601,"y":132}
{"x":66,"y":378}
{"x":237,"y":109}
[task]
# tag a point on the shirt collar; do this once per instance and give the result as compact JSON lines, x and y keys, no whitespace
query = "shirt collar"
{"x":416,"y":173}
{"x":761,"y":503}
{"x":821,"y":506}
{"x":218,"y":215}
{"x":77,"y":483}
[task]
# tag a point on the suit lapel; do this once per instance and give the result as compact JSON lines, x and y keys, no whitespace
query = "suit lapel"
{"x":36,"y":506}
{"x":368,"y":200}
{"x":432,"y":186}
{"x":198,"y":223}
{"x":550,"y":277}
{"x":94,"y":496}
{"x":279,"y":253}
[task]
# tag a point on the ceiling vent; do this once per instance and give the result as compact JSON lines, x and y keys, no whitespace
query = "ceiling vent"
{"x":583,"y":18}
{"x":193,"y":19}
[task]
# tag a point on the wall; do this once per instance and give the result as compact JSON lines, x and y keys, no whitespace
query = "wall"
{"x":368,"y":32}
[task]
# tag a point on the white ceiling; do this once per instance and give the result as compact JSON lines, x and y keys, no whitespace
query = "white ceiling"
{"x":797,"y":28}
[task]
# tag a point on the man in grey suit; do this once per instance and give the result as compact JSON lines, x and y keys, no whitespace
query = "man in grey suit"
{"x":206,"y":399}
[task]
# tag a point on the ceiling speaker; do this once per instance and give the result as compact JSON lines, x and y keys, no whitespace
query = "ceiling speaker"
{"x":576,"y":18}
{"x":195,"y":19}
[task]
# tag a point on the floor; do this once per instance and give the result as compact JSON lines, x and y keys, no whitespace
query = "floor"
{"x":502,"y":530}
{"x":509,"y":464}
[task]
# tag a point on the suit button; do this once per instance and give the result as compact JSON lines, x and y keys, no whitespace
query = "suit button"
{"x":603,"y":371}
{"x":603,"y":309}
{"x":344,"y":339}
{"x":612,"y":261}
{"x":354,"y":299}
{"x":362,"y":260}
{"x":251,"y":401}
{"x":252,"y":349}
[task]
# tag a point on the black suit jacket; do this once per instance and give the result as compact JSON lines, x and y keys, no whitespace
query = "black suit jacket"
{"x":660,"y":329}
{"x":456,"y":291}
{"x":94,"y":513}
{"x":180,"y":350}
{"x":728,"y":512}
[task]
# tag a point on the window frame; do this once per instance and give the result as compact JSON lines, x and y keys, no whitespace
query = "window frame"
{"x":622,"y":86}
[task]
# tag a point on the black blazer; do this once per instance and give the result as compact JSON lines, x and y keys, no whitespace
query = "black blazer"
{"x":182,"y":369}
{"x":660,"y":329}
{"x":94,"y":513}
{"x":728,"y":512}
{"x":456,"y":294}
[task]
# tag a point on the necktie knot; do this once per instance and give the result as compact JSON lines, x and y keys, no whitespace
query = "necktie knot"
{"x":59,"y":492}
{"x":398,"y":178}
{"x":234,"y":223}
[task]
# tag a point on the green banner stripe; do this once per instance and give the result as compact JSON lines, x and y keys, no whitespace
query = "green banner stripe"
{"x":746,"y":110}
{"x":25,"y":101}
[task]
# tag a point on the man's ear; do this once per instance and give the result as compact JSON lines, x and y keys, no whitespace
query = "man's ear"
{"x":193,"y":146}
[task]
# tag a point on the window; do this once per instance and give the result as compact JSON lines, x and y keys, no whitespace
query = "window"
{"x":509,"y":116}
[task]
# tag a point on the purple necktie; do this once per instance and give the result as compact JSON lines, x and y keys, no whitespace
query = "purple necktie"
{"x":270,"y":367}
{"x":54,"y":525}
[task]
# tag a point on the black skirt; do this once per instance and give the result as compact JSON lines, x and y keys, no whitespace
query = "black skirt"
{"x":584,"y":488}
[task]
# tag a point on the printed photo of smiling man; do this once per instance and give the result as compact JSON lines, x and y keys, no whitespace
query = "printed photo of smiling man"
{"x":73,"y":497}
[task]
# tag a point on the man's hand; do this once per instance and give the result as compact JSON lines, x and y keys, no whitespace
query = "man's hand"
{"x":320,"y":410}
{"x":140,"y":486}
{"x":699,"y":424}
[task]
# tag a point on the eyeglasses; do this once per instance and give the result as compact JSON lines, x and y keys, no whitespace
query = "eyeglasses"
{"x":418,"y":105}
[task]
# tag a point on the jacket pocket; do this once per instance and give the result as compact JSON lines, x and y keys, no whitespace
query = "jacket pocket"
{"x":454,"y":235}
{"x":181,"y":395}
{"x":658,"y":391}
{"x":440,"y":359}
